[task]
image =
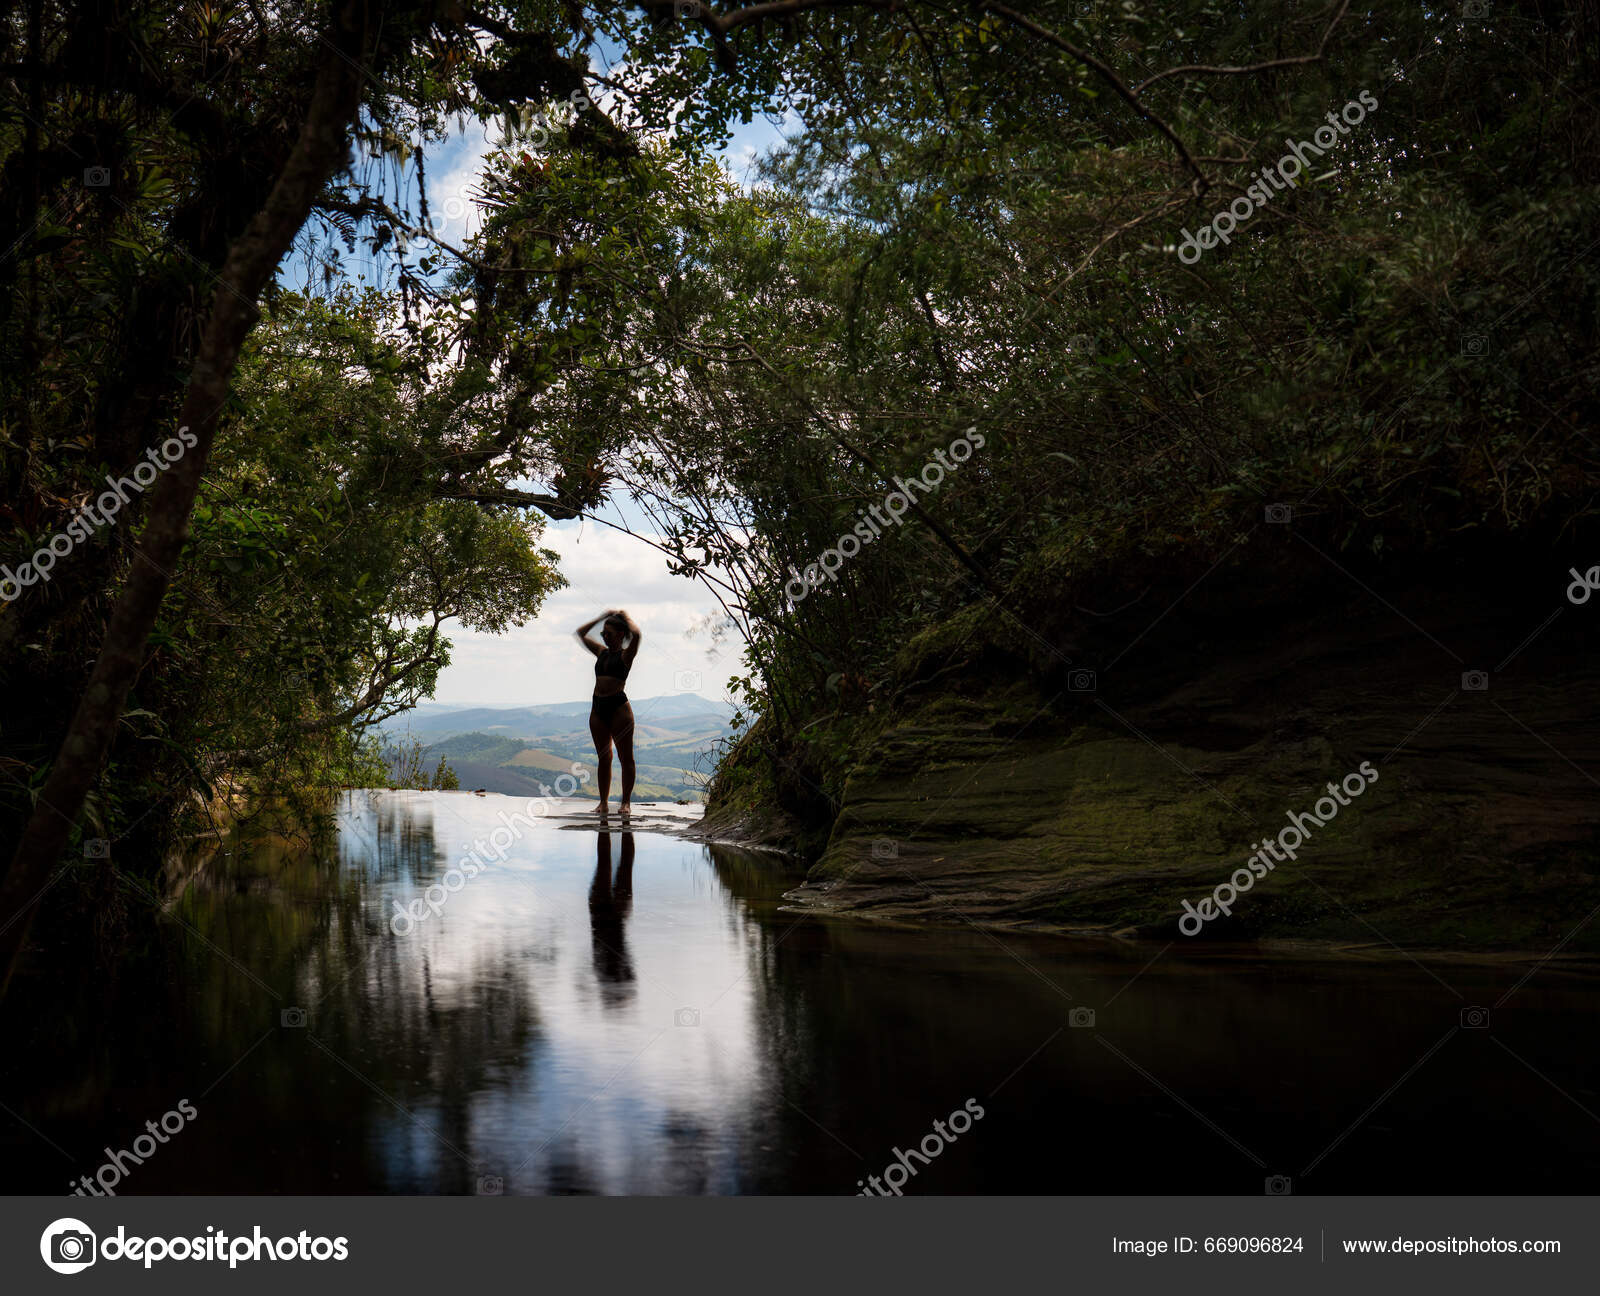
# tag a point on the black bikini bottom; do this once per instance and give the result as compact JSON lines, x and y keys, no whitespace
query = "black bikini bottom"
{"x":605,"y":708}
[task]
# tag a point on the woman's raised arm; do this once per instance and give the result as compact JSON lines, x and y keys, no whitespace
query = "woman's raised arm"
{"x":635,"y":635}
{"x":583,"y":634}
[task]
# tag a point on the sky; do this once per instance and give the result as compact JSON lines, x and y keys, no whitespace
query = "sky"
{"x":541,"y":661}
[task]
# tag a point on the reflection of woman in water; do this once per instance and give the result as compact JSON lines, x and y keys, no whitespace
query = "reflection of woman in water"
{"x":611,"y":715}
{"x":610,"y":902}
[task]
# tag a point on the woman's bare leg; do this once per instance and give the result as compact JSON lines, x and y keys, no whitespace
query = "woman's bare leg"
{"x":622,"y":734}
{"x":601,"y":733}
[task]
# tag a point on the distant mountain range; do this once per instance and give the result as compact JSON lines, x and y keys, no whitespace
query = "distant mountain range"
{"x":515,"y":749}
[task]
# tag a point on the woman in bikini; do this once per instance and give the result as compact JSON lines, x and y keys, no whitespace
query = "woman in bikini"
{"x":611,"y":716}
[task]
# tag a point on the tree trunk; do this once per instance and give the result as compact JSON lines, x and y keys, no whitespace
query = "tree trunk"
{"x":319,"y":153}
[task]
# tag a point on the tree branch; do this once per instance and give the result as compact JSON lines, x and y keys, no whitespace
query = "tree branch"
{"x":520,"y":498}
{"x":1210,"y":70}
{"x":1103,"y":69}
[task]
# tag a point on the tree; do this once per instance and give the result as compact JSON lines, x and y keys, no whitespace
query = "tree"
{"x":972,"y":232}
{"x":163,"y":166}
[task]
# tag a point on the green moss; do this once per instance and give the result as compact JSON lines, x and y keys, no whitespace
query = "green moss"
{"x":1098,"y":830}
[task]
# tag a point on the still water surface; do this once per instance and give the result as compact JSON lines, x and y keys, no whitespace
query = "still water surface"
{"x":635,"y":1013}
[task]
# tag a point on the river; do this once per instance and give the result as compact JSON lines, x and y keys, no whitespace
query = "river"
{"x":636,"y":1012}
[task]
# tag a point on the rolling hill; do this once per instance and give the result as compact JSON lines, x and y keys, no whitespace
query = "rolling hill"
{"x":515,"y":749}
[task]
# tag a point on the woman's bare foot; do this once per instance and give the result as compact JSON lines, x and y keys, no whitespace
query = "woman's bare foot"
{"x":625,"y":809}
{"x":600,"y":809}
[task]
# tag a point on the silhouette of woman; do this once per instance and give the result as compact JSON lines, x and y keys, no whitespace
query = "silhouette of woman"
{"x":610,"y":903}
{"x":611,"y":715}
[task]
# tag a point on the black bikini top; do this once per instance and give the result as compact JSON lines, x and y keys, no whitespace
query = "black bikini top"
{"x":612,"y":662}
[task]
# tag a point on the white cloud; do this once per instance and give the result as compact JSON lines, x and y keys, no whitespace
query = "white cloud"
{"x":453,"y":211}
{"x":542,"y":662}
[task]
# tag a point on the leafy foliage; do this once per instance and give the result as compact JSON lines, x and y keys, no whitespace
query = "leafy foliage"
{"x":976,"y":228}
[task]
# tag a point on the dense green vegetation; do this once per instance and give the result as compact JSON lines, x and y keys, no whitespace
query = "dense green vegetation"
{"x":978,"y":228}
{"x":1400,"y":347}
